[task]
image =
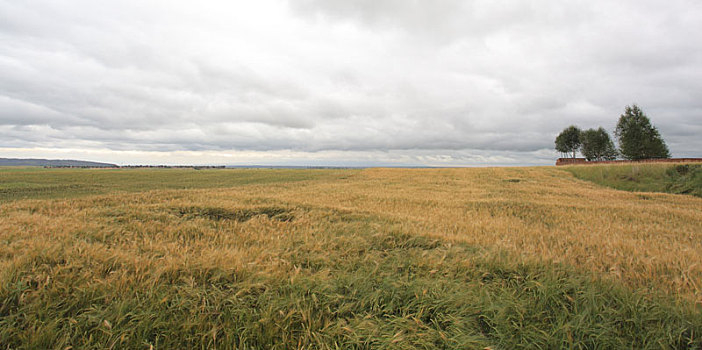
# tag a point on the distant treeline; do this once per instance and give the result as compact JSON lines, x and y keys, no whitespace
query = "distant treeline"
{"x":140,"y":166}
{"x":638,"y":139}
{"x":196,"y":167}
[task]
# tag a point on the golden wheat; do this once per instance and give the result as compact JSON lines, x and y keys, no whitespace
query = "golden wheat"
{"x":652,"y":241}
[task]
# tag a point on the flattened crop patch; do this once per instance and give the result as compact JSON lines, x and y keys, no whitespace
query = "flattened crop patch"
{"x":238,"y":214}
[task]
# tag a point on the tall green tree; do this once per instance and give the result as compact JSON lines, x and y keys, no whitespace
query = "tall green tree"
{"x":597,"y":145}
{"x":568,"y":141}
{"x":638,"y":139}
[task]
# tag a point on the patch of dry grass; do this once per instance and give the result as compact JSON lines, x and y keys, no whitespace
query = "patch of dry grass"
{"x":346,"y":259}
{"x":651,"y":240}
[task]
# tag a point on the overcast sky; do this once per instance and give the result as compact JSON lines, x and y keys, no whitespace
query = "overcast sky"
{"x":340,"y":82}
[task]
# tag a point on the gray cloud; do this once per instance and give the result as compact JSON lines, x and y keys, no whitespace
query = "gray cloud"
{"x":414,"y":77}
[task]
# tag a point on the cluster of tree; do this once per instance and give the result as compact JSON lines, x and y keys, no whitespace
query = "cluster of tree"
{"x":637,"y":138}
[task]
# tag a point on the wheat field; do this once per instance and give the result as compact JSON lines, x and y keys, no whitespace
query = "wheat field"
{"x":344,"y":258}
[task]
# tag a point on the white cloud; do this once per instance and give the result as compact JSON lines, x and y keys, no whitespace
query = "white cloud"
{"x":441,"y":82}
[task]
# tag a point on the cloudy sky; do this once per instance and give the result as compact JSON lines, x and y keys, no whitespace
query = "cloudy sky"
{"x":340,"y":82}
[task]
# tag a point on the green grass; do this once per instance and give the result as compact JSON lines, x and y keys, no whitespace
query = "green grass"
{"x":34,"y":182}
{"x":668,"y":178}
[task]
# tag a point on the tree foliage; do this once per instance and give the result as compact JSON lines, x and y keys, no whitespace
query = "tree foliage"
{"x":638,"y":139}
{"x":568,"y":141}
{"x":597,"y":145}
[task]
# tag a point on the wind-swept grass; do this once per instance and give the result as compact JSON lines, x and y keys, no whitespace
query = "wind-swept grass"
{"x":380,"y":258}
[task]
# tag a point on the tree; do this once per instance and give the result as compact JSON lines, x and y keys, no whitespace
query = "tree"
{"x":597,"y":145}
{"x":568,"y":141}
{"x":638,"y":139}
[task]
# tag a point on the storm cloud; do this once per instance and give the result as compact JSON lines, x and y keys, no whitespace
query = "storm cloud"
{"x":375,"y":82}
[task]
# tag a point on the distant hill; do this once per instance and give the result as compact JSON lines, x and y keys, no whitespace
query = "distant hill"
{"x":52,"y":162}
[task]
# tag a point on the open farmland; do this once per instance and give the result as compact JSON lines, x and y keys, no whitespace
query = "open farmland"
{"x":373,"y":258}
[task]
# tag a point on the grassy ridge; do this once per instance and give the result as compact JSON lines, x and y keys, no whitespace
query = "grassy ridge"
{"x":447,"y":258}
{"x":668,"y":178}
